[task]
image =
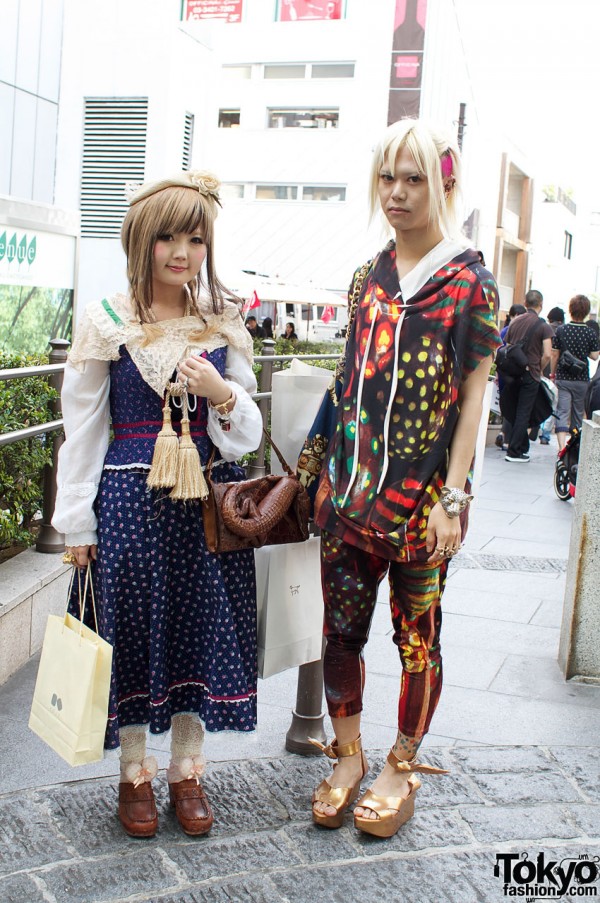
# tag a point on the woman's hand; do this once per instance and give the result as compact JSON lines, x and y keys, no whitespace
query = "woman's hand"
{"x":443,"y":532}
{"x":82,"y":554}
{"x":204,"y":379}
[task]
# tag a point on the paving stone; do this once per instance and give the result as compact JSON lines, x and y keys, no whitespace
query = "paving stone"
{"x":20,"y":889}
{"x":542,"y":787}
{"x":111,"y":878}
{"x":501,"y":759}
{"x":241,"y":801}
{"x":27,"y":835}
{"x":475,"y":560}
{"x":292,"y":780}
{"x":219,"y":859}
{"x":506,"y":823}
{"x":244,"y":890}
{"x":462,"y":878}
{"x":583,"y":765}
{"x":428,"y":828}
{"x":586,"y":817}
{"x":314,"y":844}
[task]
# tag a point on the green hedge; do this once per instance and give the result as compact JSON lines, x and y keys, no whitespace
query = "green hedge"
{"x":23,"y":403}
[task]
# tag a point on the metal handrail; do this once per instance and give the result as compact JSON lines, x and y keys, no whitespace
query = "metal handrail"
{"x":24,"y":372}
{"x":29,"y":432}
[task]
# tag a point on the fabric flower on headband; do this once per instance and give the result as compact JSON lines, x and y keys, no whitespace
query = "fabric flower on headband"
{"x":206,"y":183}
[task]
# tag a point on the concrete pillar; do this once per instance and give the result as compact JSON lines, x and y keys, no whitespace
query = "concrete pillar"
{"x":579,"y":649}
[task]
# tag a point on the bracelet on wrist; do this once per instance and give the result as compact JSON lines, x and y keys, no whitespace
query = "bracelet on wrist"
{"x":224,"y":408}
{"x":454,"y":500}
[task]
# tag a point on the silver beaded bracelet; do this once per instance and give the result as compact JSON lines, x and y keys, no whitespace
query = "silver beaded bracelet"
{"x":454,"y":500}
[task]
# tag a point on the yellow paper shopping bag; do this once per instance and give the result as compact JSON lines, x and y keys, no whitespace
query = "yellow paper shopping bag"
{"x":70,"y":700}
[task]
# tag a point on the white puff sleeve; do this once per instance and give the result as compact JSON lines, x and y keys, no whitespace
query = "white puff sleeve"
{"x":245,"y":420}
{"x":86,"y":414}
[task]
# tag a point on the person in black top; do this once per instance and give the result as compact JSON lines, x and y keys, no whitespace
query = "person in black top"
{"x":525,"y":390}
{"x":572,"y":380}
{"x":267,"y":327}
{"x":256,"y":331}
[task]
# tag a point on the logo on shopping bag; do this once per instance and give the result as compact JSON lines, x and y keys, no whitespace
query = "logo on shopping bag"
{"x":56,"y":701}
{"x":294,"y":590}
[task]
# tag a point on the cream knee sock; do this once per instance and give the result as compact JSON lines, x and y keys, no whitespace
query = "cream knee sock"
{"x":187,"y":740}
{"x":136,"y":767}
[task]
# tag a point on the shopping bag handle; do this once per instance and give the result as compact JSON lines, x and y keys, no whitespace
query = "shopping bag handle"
{"x":82,"y":599}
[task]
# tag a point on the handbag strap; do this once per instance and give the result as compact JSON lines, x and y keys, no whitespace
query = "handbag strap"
{"x":352,"y":308}
{"x":282,"y":460}
{"x":267,"y":436}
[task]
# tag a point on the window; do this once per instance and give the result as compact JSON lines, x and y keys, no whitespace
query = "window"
{"x":233,"y":73}
{"x":188,"y":140}
{"x":285,"y":71}
{"x":568,"y":245}
{"x":323,"y":193}
{"x":231,"y":190}
{"x":276,"y":192}
{"x":289,"y":118}
{"x":332,"y":70}
{"x":114,"y":152}
{"x":229,"y":119}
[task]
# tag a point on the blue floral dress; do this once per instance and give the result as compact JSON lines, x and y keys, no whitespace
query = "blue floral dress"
{"x":182,"y":621}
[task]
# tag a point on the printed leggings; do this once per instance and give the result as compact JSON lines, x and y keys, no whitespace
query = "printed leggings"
{"x":350,"y":578}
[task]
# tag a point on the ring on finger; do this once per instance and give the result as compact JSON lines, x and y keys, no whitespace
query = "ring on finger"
{"x":185,"y":381}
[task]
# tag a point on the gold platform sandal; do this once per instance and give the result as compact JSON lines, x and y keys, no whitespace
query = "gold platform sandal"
{"x":337,"y":797}
{"x":387,"y":823}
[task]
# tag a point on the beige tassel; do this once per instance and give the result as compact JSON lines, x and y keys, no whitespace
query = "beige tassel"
{"x":190,"y":479}
{"x":163,"y":473}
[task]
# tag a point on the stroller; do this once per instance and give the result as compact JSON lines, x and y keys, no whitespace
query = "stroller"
{"x":565,"y":472}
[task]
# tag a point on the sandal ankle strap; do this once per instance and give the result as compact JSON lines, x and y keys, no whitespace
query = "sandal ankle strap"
{"x":412,"y":765}
{"x":334,"y":751}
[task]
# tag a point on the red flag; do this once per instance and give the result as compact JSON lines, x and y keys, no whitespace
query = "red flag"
{"x":327,"y":314}
{"x":250,"y":303}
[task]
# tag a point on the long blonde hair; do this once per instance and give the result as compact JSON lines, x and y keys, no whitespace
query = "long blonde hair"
{"x":169,"y":209}
{"x":431,"y":150}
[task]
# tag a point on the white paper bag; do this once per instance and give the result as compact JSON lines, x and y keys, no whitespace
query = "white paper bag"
{"x":297,"y":394}
{"x":289,"y":606}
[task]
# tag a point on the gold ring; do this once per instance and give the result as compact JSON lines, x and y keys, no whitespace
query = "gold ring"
{"x":69,"y":558}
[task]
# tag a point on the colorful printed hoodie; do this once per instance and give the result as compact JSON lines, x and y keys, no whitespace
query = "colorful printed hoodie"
{"x":405,"y":361}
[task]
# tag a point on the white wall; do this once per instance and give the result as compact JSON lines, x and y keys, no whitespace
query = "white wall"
{"x":131,"y":49}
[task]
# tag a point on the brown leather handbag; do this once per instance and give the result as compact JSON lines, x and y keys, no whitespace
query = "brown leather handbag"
{"x":269,"y":510}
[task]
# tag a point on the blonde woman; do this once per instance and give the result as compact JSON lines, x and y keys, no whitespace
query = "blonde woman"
{"x":181,"y":620}
{"x":393,"y":497}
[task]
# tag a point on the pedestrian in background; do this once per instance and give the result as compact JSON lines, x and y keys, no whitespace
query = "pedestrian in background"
{"x":181,"y":620}
{"x":418,"y":356}
{"x":574,"y":340}
{"x":267,"y":327}
{"x":290,"y":333}
{"x":523,"y":392}
{"x":503,"y":438}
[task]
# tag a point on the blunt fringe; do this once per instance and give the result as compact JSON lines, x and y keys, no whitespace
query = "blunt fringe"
{"x":170,"y":210}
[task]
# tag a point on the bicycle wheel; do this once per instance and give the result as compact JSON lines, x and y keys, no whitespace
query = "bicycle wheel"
{"x":561,"y":482}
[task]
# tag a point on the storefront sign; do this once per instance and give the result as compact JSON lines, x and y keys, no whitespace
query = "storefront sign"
{"x":296,"y":10}
{"x":195,"y":10}
{"x":33,"y":257}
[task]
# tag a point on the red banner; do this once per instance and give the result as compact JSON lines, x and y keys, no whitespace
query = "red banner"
{"x":296,"y":10}
{"x":194,"y":10}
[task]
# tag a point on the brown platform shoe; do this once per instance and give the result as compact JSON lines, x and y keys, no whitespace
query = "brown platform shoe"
{"x":191,"y":806}
{"x":137,"y":810}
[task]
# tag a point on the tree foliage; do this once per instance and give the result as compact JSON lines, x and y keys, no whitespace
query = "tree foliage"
{"x":23,"y":403}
